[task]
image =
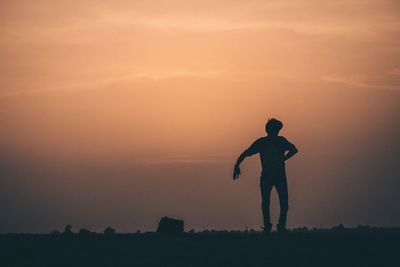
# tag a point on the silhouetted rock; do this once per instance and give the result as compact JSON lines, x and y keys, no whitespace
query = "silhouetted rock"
{"x":109,"y":231}
{"x":170,"y":226}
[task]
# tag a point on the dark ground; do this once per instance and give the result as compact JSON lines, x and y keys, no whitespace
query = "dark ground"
{"x":310,"y":248}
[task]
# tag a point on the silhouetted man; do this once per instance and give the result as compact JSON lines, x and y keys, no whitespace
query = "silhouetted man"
{"x":274,"y":150}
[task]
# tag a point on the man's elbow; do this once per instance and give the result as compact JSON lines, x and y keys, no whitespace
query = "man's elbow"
{"x":244,"y":155}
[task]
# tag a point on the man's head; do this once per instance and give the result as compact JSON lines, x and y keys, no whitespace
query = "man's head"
{"x":273,"y":126}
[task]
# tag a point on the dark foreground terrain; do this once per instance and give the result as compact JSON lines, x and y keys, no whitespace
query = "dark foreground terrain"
{"x":310,"y":248}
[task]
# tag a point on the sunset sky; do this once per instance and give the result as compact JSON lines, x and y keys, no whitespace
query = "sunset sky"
{"x":116,"y":113}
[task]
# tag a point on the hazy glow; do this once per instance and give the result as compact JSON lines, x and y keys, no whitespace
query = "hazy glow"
{"x":120,"y":112}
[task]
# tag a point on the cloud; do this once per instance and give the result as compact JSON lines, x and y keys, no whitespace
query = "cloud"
{"x":302,"y":17}
{"x":395,"y":72}
{"x":103,"y":79}
{"x":73,"y":46}
{"x":388,"y":81}
{"x":190,"y":159}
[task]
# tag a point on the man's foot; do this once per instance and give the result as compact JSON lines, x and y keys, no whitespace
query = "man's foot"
{"x":267,"y":229}
{"x":282,"y":229}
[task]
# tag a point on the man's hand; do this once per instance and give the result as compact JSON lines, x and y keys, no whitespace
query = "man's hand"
{"x":292,"y":151}
{"x":236,"y":172}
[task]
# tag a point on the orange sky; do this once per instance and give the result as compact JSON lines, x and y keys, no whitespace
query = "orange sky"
{"x":120,"y":112}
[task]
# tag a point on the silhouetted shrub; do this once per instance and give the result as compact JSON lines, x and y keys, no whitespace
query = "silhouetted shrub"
{"x":84,"y":232}
{"x":55,"y":232}
{"x":68,"y":230}
{"x":301,"y":229}
{"x":364,"y":228}
{"x":109,"y":231}
{"x":340,"y":227}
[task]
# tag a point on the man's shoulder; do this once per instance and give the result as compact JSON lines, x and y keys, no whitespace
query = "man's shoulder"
{"x":286,"y":143}
{"x":270,"y":140}
{"x":261,"y":139}
{"x":259,"y":142}
{"x":282,"y":138}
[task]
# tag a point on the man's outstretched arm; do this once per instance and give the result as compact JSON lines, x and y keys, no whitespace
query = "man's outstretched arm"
{"x":236,"y":170}
{"x":253,"y":149}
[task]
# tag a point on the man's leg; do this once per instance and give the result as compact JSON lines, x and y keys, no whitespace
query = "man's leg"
{"x":282,"y":189}
{"x":266,"y":187}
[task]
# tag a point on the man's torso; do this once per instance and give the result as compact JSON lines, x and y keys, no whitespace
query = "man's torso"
{"x":272,"y":154}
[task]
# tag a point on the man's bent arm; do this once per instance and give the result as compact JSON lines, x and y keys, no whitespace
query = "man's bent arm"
{"x":291,"y":152}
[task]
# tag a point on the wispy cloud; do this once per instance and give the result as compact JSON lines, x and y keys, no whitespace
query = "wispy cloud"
{"x":395,"y":72}
{"x":248,"y":40}
{"x":105,"y":78}
{"x":312,"y":17}
{"x":190,"y":159}
{"x":388,"y":81}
